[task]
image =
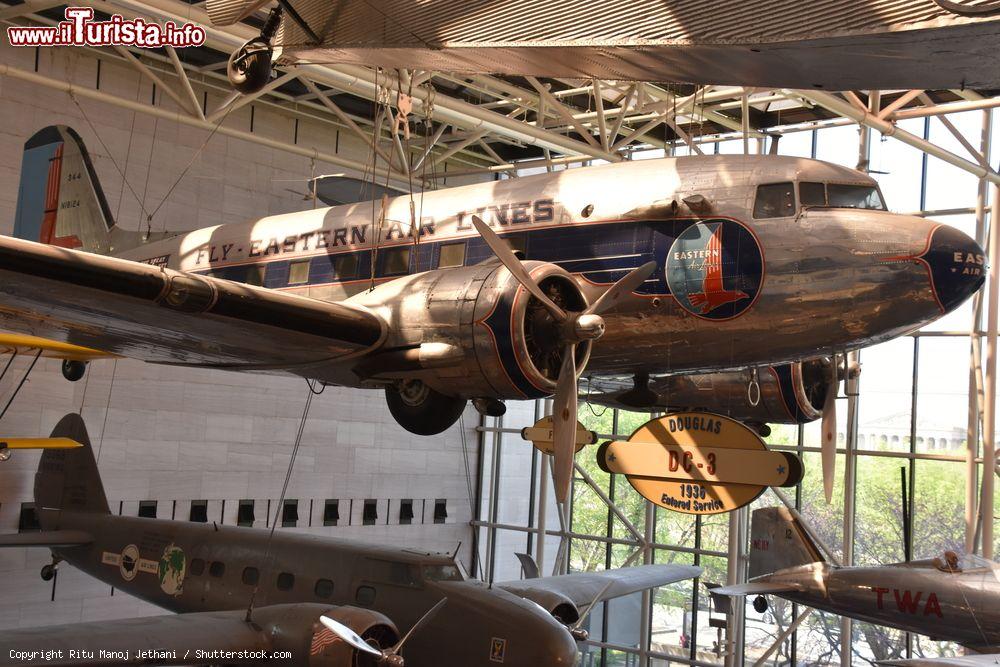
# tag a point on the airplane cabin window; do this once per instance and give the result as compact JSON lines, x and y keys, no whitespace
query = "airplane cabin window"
{"x":812,"y":194}
{"x":323,"y":588}
{"x":251,"y":576}
{"x":199,"y":511}
{"x":217,"y":569}
{"x":255,"y":275}
{"x":365,"y":596}
{"x":331,"y":512}
{"x":346,"y":266}
{"x":298,"y":272}
{"x":774,"y":200}
{"x":147,"y":509}
{"x":396,"y":261}
{"x":855,"y":196}
{"x":452,"y":254}
{"x":286,"y":580}
{"x":197,"y":567}
{"x":245,"y":515}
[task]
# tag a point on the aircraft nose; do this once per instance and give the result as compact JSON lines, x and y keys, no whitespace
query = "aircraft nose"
{"x":956,"y":264}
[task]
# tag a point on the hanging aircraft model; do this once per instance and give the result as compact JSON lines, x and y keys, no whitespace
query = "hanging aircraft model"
{"x":243,"y":593}
{"x":948,"y":598}
{"x":686,"y":265}
{"x":832,"y":44}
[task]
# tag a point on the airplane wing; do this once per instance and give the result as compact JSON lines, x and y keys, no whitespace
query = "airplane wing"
{"x":50,"y":349}
{"x":957,"y":661}
{"x":160,"y":315}
{"x":228,"y":12}
{"x":756,"y":588}
{"x":584,"y":588}
{"x":47,"y":538}
{"x":196,"y":638}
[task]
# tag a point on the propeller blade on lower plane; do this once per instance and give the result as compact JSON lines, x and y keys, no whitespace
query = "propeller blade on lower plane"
{"x":829,"y":445}
{"x":349,"y":636}
{"x":564,"y":424}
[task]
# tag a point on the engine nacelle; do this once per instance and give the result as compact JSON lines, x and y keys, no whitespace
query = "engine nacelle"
{"x":789,"y":393}
{"x":296,"y":628}
{"x":473,"y":332}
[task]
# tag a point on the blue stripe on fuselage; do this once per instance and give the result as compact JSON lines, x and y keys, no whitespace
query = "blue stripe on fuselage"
{"x":600,"y":252}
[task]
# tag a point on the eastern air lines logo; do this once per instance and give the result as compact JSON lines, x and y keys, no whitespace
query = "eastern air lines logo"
{"x":715,"y":269}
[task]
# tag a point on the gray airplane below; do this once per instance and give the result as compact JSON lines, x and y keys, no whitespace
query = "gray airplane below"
{"x":502,"y":290}
{"x":947,"y":598}
{"x":309,"y":595}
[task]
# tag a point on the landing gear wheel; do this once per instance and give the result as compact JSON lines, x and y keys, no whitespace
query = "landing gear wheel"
{"x":760,"y":604}
{"x":249,"y":67}
{"x":48,"y":571}
{"x":73,"y":370}
{"x":421,"y":410}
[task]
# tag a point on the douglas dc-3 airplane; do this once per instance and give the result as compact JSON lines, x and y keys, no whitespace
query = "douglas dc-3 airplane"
{"x":948,"y":598}
{"x":302,"y":591}
{"x":686,"y":265}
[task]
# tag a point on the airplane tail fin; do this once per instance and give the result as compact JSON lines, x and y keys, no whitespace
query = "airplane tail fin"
{"x":60,"y":200}
{"x":68,"y":479}
{"x":778,"y":541}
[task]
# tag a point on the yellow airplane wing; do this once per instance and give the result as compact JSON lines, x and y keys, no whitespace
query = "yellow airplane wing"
{"x":11,"y":343}
{"x":38,"y":443}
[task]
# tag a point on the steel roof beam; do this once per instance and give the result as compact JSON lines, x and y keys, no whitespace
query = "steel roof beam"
{"x":844,"y":108}
{"x":361,"y":81}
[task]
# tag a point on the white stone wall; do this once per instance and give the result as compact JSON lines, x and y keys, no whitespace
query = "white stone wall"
{"x":176,"y":435}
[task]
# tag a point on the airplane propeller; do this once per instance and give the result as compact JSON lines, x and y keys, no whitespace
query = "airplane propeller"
{"x":574,"y":328}
{"x":390,"y":656}
{"x":828,"y":447}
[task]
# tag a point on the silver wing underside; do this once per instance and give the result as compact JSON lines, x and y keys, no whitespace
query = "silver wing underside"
{"x":159,"y":315}
{"x":831,"y":44}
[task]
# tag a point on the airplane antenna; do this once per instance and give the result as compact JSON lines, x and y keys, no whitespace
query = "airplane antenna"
{"x":579,"y":634}
{"x":281,"y":503}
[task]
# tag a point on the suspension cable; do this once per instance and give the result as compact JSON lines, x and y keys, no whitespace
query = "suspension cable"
{"x":281,"y":502}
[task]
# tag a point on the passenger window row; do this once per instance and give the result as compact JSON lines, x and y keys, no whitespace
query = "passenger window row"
{"x":391,"y":261}
{"x":284,"y":581}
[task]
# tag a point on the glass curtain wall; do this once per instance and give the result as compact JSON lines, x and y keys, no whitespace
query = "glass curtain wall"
{"x":916,"y":406}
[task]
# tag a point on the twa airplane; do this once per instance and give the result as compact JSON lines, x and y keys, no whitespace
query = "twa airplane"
{"x":950,"y":598}
{"x":679,"y":265}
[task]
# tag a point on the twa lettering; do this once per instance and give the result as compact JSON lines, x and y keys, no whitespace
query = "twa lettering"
{"x":79,"y":29}
{"x":909,"y":603}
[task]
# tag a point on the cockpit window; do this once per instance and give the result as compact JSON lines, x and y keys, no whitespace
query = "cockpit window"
{"x":774,"y":200}
{"x":951,"y":561}
{"x":840,"y":195}
{"x":854,"y":196}
{"x":447,"y":572}
{"x":812,"y":194}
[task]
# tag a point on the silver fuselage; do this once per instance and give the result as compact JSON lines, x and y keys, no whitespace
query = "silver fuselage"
{"x":916,"y":597}
{"x":823,"y":279}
